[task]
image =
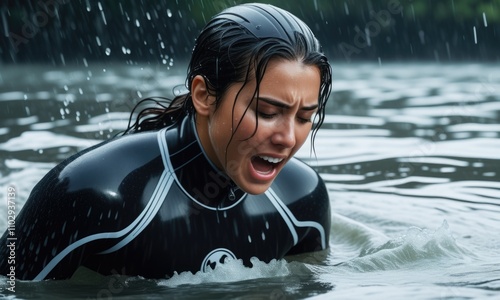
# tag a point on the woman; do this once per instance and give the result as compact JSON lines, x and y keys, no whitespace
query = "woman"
{"x":209,"y":178}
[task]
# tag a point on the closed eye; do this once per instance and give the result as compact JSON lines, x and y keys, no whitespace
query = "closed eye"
{"x":266,"y":116}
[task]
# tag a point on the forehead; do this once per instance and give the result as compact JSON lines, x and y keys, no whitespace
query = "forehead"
{"x":291,"y":80}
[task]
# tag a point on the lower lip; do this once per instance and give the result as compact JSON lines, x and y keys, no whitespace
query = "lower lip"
{"x":263,"y":176}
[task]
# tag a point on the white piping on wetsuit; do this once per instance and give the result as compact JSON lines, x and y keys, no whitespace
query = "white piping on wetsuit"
{"x":136,"y":227}
{"x":289,"y":218}
{"x":169,"y":164}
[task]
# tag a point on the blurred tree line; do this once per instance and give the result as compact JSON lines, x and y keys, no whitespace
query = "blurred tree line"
{"x":78,"y":31}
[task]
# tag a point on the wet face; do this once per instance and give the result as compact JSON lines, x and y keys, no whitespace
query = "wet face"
{"x":283,"y":112}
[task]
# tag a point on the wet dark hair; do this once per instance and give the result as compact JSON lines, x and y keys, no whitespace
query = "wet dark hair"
{"x":236,"y":46}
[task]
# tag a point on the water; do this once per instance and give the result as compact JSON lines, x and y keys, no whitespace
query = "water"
{"x":410,"y":154}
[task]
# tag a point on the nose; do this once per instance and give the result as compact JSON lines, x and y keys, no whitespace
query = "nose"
{"x":284,"y":134}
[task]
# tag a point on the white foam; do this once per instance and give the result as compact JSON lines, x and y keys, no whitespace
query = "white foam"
{"x":231,"y":271}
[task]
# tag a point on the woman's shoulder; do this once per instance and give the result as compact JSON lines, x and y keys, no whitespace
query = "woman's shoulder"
{"x":298,"y":182}
{"x":297,"y":175}
{"x":105,"y":164}
{"x":133,"y":148}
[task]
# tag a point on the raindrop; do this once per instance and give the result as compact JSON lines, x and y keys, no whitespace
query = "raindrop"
{"x":475,"y":35}
{"x":40,"y":151}
{"x":484,"y":20}
{"x":66,"y":88}
{"x":137,"y":23}
{"x":346,"y":8}
{"x":98,"y":41}
{"x":80,"y":91}
{"x":169,"y":13}
{"x":421,"y":34}
{"x":25,"y":97}
{"x":148,"y":16}
{"x":108,"y":52}
{"x":85,"y":62}
{"x":4,"y":22}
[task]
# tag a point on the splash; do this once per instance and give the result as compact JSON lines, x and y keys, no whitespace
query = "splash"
{"x":231,"y":271}
{"x":416,"y":247}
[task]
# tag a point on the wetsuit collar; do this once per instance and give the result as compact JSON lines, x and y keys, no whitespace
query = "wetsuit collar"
{"x":197,"y":175}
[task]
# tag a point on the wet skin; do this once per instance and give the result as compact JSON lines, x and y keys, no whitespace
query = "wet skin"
{"x":287,"y":100}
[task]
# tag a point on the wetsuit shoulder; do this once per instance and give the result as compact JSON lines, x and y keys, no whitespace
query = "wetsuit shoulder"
{"x":105,"y":167}
{"x":298,"y":180}
{"x":304,"y":193}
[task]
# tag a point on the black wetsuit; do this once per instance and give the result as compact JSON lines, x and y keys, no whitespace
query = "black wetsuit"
{"x":151,"y":203}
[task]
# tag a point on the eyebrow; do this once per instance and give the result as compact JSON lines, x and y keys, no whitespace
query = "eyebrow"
{"x":286,"y":106}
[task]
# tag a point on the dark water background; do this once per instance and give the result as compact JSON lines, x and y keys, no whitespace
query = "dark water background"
{"x":410,"y":153}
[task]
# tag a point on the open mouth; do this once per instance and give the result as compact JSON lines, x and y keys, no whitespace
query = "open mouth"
{"x":265,"y":165}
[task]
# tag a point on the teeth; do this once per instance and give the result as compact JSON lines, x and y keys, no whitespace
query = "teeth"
{"x":271,"y":159}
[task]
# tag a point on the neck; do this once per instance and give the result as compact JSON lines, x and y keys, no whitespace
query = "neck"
{"x":194,"y":169}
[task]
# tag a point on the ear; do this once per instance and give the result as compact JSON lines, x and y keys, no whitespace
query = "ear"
{"x":201,"y":98}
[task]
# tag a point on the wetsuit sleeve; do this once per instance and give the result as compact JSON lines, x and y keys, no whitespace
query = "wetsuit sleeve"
{"x":79,"y":208}
{"x":43,"y":230}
